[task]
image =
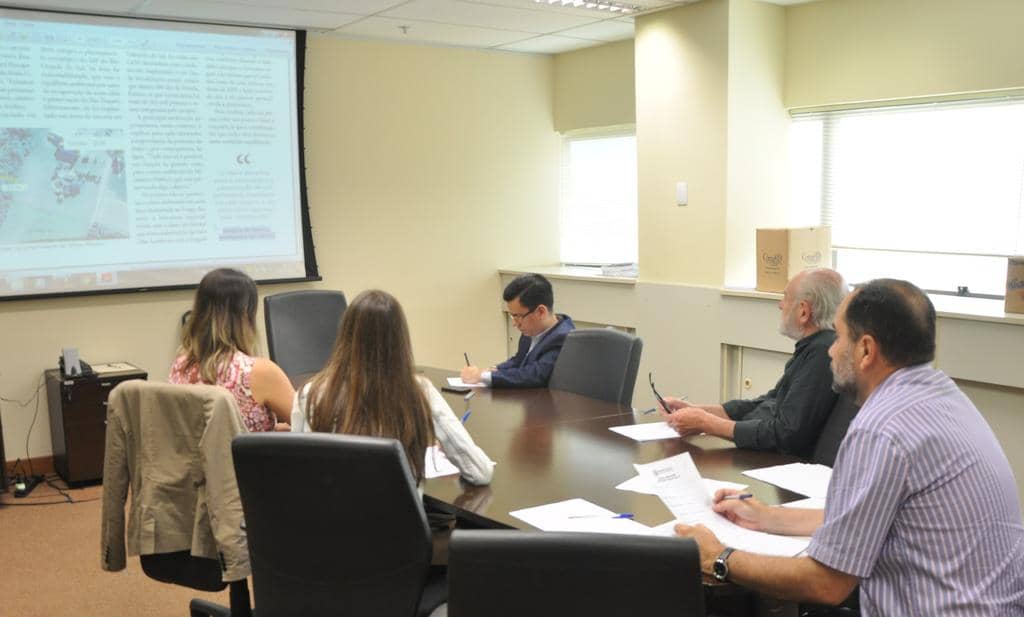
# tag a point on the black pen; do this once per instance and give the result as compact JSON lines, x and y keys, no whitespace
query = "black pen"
{"x":466,"y":356}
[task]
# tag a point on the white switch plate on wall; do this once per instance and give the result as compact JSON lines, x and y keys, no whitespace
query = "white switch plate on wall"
{"x":681,"y":194}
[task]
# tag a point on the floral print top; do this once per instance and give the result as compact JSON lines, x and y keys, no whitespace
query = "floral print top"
{"x":235,"y":376}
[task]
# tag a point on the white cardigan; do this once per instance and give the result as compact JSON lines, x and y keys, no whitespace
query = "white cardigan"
{"x":458,"y":446}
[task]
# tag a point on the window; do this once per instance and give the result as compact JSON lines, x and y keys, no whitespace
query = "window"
{"x":928,"y":193}
{"x":598,"y":216}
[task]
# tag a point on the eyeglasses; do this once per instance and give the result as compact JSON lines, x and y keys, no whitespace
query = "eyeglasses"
{"x":664,"y":405}
{"x":522,"y":316}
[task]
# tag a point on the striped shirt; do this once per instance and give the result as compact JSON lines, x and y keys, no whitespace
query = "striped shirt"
{"x":923,"y":506}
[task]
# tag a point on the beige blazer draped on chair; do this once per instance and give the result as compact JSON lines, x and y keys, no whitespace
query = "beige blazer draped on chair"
{"x":172,"y":445}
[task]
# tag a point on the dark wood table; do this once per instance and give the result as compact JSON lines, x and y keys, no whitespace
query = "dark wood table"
{"x":550,"y":446}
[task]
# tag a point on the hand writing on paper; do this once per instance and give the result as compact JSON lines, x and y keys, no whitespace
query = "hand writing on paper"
{"x":709,"y":545}
{"x":470,"y":374}
{"x":746,"y":512}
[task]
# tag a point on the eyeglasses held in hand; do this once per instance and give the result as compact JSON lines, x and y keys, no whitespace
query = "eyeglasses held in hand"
{"x":661,"y":401}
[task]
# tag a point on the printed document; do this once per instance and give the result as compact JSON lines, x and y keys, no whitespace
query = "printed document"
{"x":643,"y":484}
{"x":438,"y":464}
{"x":678,"y":483}
{"x":456,"y":382}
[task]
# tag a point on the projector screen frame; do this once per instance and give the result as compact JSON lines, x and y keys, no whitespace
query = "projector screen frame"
{"x":309,"y":254}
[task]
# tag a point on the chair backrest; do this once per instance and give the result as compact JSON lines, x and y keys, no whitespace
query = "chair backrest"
{"x":335,"y":524}
{"x":600,"y":363}
{"x":834,"y":430}
{"x":301,"y":328}
{"x":502,"y":573}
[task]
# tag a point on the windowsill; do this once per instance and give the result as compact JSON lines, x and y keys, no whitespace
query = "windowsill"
{"x":571,"y":273}
{"x":950,"y":307}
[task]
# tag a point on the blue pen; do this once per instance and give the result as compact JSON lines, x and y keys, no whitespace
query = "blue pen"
{"x":465,"y":416}
{"x":740,"y":496}
{"x":619,"y":515}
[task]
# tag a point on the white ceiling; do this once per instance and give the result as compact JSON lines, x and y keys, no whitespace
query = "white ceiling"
{"x":512,"y":25}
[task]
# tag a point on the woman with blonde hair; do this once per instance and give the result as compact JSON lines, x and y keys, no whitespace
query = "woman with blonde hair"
{"x":218,"y":341}
{"x":370,"y":387}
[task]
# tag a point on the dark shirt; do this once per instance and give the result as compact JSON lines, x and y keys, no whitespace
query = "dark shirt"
{"x":790,"y":416}
{"x":533,"y":368}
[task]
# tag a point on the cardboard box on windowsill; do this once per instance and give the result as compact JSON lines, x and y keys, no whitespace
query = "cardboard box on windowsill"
{"x":781,"y":253}
{"x":1015,"y":285}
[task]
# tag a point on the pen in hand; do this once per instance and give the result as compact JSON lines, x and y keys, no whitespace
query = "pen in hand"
{"x":740,"y":496}
{"x":620,"y":515}
{"x":466,"y":356}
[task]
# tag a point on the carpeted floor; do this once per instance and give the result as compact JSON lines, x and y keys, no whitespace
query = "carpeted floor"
{"x":50,"y":563}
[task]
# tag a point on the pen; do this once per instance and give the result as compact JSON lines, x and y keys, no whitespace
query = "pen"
{"x":651,"y":410}
{"x":740,"y":496}
{"x":465,"y":416}
{"x":466,"y":356}
{"x":469,"y":395}
{"x":620,"y":515}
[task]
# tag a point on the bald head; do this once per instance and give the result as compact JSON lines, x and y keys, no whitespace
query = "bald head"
{"x":898,"y":315}
{"x":823,"y":289}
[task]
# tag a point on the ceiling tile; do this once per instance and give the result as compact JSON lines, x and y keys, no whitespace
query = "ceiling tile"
{"x":607,"y":30}
{"x":204,"y":10}
{"x":549,"y":44}
{"x":488,"y":16}
{"x":354,"y":7}
{"x":428,"y":32}
{"x":82,"y":6}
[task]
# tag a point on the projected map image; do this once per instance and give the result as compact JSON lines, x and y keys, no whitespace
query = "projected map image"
{"x":62,"y":186}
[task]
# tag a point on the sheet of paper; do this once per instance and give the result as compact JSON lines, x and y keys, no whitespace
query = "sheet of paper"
{"x":647,"y":431}
{"x":803,"y":478}
{"x":438,"y":464}
{"x":676,"y":481}
{"x":741,"y":538}
{"x":456,"y":382}
{"x":643,"y":484}
{"x":595,"y":519}
{"x":814,"y":503}
{"x":678,"y":484}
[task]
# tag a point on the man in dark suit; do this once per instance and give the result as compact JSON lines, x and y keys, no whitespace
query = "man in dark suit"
{"x":530,"y":303}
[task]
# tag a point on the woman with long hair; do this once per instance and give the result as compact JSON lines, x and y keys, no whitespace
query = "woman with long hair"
{"x":370,"y":387}
{"x":218,"y":342}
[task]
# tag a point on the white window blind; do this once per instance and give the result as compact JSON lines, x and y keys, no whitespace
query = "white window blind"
{"x":598,"y":213}
{"x":930,"y":193}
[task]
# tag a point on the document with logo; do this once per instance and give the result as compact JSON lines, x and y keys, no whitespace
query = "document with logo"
{"x":678,"y":484}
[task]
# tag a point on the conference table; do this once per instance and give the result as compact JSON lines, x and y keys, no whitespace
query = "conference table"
{"x":551,"y":446}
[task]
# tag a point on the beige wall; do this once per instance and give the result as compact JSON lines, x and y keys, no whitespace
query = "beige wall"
{"x":681,"y":87}
{"x":594,"y":87}
{"x":758,"y":134}
{"x":428,"y":169}
{"x":841,"y":51}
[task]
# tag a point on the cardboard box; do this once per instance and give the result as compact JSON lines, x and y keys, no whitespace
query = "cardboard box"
{"x":1015,"y":285}
{"x":782,"y":253}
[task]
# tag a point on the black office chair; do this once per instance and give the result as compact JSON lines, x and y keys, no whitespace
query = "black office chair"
{"x":502,"y":573}
{"x":181,"y":568}
{"x":301,"y":328}
{"x":335,"y":526}
{"x":599,"y":363}
{"x":834,"y":430}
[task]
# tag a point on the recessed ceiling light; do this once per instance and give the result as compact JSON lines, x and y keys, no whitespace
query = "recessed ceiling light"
{"x":603,"y":5}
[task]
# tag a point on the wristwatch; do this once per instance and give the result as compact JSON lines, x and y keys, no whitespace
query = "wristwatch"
{"x":720,"y":569}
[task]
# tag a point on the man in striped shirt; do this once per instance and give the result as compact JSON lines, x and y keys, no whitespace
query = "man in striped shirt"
{"x":922,"y":509}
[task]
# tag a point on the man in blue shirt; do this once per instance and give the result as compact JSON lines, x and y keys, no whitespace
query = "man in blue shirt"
{"x":530,"y":301}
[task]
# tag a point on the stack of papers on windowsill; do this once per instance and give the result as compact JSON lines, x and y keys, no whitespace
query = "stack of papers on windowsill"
{"x":803,"y":478}
{"x":622,"y":269}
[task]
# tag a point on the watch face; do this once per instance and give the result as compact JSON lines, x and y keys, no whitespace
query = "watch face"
{"x":720,"y":569}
